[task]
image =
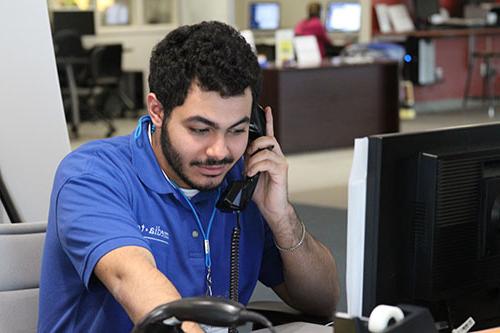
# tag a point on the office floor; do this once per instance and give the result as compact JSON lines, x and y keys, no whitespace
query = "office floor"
{"x":319,"y":178}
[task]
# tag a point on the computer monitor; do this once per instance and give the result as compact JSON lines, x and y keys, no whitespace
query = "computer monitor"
{"x":423,"y":9}
{"x":424,"y":224}
{"x":116,"y":14}
{"x":264,"y":15}
{"x":81,"y":21}
{"x":343,"y":17}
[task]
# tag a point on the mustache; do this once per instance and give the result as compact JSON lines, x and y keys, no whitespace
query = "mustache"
{"x":212,"y":162}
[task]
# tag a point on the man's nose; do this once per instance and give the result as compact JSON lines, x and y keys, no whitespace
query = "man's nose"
{"x":218,"y":148}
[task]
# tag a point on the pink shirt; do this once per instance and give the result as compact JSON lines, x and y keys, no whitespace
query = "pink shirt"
{"x":314,"y":26}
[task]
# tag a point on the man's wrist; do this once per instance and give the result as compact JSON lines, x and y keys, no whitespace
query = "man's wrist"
{"x":296,"y":246}
{"x":289,"y":231}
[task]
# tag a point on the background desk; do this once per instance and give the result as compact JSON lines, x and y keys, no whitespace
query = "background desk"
{"x":328,"y":106}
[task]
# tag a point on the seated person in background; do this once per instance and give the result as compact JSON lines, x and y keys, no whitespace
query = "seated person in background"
{"x":130,"y":217}
{"x":313,"y":26}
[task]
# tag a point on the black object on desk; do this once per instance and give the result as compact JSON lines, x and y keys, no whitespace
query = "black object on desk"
{"x":417,"y":320}
{"x":204,"y":310}
{"x":280,"y":313}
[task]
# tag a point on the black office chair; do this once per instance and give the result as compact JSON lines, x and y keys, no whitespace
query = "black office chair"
{"x":73,"y":71}
{"x":68,"y":43}
{"x":104,"y":98}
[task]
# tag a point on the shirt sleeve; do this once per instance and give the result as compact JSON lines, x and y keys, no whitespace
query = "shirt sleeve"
{"x":323,"y":36}
{"x":94,"y":217}
{"x":271,"y":270}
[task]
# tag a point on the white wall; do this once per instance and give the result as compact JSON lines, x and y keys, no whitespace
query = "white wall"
{"x":33,"y":134}
{"x":194,"y":11}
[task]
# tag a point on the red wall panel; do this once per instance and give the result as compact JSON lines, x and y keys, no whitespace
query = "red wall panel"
{"x":451,"y":56}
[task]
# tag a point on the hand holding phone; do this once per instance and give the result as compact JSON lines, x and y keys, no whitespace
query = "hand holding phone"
{"x":239,"y":193}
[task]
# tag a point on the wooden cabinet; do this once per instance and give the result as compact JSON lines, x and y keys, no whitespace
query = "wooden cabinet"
{"x":329,"y":106}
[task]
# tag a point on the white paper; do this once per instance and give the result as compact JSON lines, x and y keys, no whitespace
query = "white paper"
{"x":356,"y":228}
{"x":307,"y":51}
{"x":384,"y":24}
{"x":284,"y":46}
{"x":400,"y":19}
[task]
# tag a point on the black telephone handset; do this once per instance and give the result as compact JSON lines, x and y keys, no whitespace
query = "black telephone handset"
{"x":238,"y":193}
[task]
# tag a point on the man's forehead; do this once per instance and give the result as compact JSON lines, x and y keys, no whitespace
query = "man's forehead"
{"x":197,"y":89}
{"x":212,"y":109}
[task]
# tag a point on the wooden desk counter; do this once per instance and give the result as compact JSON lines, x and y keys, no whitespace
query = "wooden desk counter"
{"x":329,"y":106}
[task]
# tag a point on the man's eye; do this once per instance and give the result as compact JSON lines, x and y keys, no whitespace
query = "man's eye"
{"x":199,"y":130}
{"x":238,"y":131}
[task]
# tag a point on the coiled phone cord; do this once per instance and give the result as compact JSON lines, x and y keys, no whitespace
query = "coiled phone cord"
{"x":235,"y":265}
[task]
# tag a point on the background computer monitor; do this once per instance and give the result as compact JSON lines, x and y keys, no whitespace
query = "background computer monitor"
{"x":81,"y":21}
{"x":431,"y":224}
{"x":343,"y":17}
{"x":264,"y":15}
{"x":423,"y":9}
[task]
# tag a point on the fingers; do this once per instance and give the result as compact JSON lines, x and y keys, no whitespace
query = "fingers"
{"x":264,"y":143}
{"x":266,"y":160}
{"x":269,"y":121}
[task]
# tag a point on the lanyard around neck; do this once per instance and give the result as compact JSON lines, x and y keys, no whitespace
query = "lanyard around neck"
{"x":206,"y":235}
{"x":206,"y":238}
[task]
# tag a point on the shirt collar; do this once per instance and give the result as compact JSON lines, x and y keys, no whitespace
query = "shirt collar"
{"x":144,"y":160}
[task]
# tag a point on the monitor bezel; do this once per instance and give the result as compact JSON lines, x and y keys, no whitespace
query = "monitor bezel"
{"x":89,"y":29}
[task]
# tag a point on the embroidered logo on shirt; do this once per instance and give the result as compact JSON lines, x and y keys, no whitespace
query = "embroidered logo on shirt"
{"x":155,"y":233}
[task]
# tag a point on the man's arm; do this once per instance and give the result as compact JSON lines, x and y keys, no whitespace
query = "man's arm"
{"x":311,"y":283}
{"x":131,"y":276}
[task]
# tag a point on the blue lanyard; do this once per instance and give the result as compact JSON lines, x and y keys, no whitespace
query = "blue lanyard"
{"x":206,"y":238}
{"x":140,"y":123}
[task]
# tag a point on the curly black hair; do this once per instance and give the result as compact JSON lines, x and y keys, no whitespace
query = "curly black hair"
{"x":213,"y":54}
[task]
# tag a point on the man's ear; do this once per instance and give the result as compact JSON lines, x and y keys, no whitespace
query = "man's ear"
{"x":155,"y":110}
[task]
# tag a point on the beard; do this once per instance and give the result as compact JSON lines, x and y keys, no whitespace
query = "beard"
{"x":179,"y":166}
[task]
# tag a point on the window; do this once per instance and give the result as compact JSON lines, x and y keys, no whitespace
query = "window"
{"x":115,"y":12}
{"x":158,"y":11}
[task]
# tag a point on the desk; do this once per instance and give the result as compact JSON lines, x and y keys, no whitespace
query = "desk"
{"x":299,"y":327}
{"x":329,"y":106}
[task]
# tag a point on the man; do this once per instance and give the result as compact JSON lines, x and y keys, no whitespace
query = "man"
{"x":129,"y":216}
{"x":312,"y":25}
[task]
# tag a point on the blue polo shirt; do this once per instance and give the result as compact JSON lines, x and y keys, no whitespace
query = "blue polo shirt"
{"x":112,"y":193}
